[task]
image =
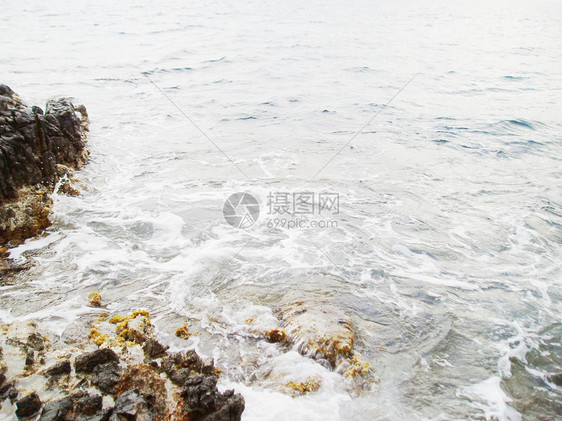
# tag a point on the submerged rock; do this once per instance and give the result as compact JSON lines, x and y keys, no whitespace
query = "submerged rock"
{"x":319,"y":330}
{"x":36,"y":149}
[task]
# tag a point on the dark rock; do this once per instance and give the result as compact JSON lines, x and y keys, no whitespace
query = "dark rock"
{"x":146,"y":381}
{"x":106,"y":376}
{"x":154,"y":349}
{"x":62,"y":367}
{"x":555,"y":378}
{"x":189,"y":360}
{"x":180,"y":377}
{"x":8,"y":390}
{"x":28,"y":406}
{"x":32,"y":144}
{"x":86,"y":363}
{"x":89,"y":405}
{"x":57,"y":410}
{"x":79,"y":406}
{"x":29,"y":359}
{"x":203,"y":401}
{"x":36,"y":342}
{"x":131,"y":405}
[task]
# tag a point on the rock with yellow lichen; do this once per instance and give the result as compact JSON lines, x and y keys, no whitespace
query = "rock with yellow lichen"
{"x":309,"y":385}
{"x":135,"y":327}
{"x":354,"y":366}
{"x":94,"y":299}
{"x":318,"y":330}
{"x":120,"y":379}
{"x":276,"y":335}
{"x":183,"y":332}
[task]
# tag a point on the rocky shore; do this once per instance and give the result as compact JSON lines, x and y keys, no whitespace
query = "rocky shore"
{"x":119,"y":371}
{"x":128,"y":376}
{"x":38,"y":149}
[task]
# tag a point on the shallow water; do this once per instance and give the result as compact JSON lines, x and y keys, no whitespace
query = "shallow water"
{"x":447,"y":250}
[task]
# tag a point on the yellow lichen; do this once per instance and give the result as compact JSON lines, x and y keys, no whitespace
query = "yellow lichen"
{"x":183,"y":332}
{"x":95,"y":299}
{"x":97,"y":337}
{"x":116,"y":319}
{"x":357,"y":367}
{"x":218,"y":371}
{"x":311,"y":384}
{"x":130,"y":335}
{"x":249,"y":321}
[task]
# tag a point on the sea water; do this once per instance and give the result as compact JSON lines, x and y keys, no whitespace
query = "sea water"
{"x":444,"y":250}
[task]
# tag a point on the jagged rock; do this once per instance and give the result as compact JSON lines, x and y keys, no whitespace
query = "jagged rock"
{"x":203,"y":402}
{"x":79,"y":406}
{"x":90,"y":404}
{"x":62,"y":367}
{"x":179,"y":366}
{"x":28,"y":406}
{"x":106,"y":376}
{"x":86,"y":363}
{"x":131,"y":405}
{"x":32,"y":144}
{"x":149,"y":389}
{"x":154,"y":349}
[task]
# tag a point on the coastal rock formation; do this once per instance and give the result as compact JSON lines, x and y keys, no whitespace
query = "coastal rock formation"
{"x":37,"y":149}
{"x":122,"y":379}
{"x":319,"y":330}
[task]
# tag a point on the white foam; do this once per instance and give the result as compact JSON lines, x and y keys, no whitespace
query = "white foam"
{"x":496,"y":400}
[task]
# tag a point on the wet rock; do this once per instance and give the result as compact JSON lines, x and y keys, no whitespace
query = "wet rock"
{"x":62,"y":367}
{"x":131,"y":405}
{"x":555,"y":378}
{"x":32,"y":143}
{"x":28,"y":406}
{"x":318,"y":330}
{"x":90,"y":404}
{"x":150,"y":393}
{"x":154,"y":349}
{"x":86,"y":363}
{"x":135,"y":327}
{"x":179,"y":366}
{"x":106,"y":376}
{"x":57,"y":410}
{"x":94,"y":299}
{"x":36,"y":342}
{"x":79,"y":406}
{"x":201,"y":400}
{"x":8,"y":391}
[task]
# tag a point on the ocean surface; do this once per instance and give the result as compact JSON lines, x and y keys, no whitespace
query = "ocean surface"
{"x":446,"y":246}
